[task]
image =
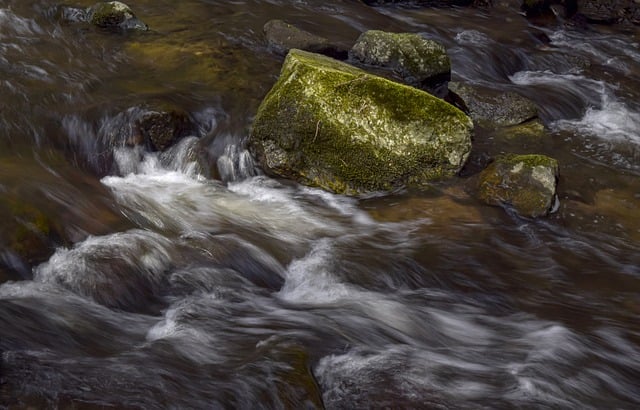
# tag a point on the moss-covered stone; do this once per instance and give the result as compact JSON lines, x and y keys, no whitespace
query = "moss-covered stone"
{"x":525,"y":182}
{"x":415,"y":59}
{"x":489,"y":107}
{"x":27,"y":232}
{"x":113,"y":15}
{"x":331,"y":125}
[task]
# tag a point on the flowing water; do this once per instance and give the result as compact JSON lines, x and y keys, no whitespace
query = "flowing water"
{"x":132,"y":279}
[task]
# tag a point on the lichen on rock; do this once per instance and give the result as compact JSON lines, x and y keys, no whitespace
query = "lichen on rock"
{"x":328,"y":124}
{"x":525,"y":182}
{"x":417,"y":60}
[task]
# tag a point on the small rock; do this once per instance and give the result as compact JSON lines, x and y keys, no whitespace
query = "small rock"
{"x":418,"y":61}
{"x":162,"y":128}
{"x":114,"y":15}
{"x":525,"y":182}
{"x":493,"y":107}
{"x":283,"y":37}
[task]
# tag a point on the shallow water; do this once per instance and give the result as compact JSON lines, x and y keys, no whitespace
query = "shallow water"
{"x":161,"y":282}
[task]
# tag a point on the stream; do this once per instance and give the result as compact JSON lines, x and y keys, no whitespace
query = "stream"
{"x":145,"y":280}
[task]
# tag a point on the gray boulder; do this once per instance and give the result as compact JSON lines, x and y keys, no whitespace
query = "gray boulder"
{"x":282,"y":37}
{"x":493,"y":107}
{"x":415,"y":59}
{"x":527,"y":183}
{"x":328,"y":124}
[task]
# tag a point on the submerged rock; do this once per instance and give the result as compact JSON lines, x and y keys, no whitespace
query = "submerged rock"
{"x":525,"y":182}
{"x":114,"y":15}
{"x":27,"y":236}
{"x":415,"y":59}
{"x":429,"y":3}
{"x":68,"y":14}
{"x":493,"y":107}
{"x":331,"y":125}
{"x":283,"y":37}
{"x":610,"y":11}
{"x":163,"y":127}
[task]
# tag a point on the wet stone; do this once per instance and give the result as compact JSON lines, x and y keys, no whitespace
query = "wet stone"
{"x":493,"y":107}
{"x":527,"y":183}
{"x":162,"y":128}
{"x":282,"y":37}
{"x":417,"y":60}
{"x":114,"y":15}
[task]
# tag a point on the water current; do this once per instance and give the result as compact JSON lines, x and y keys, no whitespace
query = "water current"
{"x":133,"y":279}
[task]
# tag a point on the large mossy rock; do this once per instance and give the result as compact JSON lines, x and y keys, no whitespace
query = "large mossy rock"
{"x":415,"y":59}
{"x":525,"y":182}
{"x":331,"y":125}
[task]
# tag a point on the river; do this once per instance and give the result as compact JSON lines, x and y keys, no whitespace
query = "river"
{"x":132,"y":279}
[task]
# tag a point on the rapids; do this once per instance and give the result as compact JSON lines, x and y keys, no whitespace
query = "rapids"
{"x":168,"y":284}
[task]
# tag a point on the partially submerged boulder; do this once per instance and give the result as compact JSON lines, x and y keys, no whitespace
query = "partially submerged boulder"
{"x":328,"y":124}
{"x":525,"y":182}
{"x":493,"y":107}
{"x":163,"y":127}
{"x":282,"y":37}
{"x":114,"y":15}
{"x":415,"y":59}
{"x":27,"y":236}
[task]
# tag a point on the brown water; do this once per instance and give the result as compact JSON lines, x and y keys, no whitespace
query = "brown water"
{"x":130,"y":279}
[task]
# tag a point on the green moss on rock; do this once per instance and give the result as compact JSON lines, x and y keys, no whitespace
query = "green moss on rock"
{"x":413,"y":57}
{"x":114,"y":14}
{"x":525,"y":182}
{"x":27,"y":230}
{"x":328,"y":124}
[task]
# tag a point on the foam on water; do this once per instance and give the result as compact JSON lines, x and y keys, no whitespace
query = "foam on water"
{"x":606,"y":117}
{"x":473,"y":38}
{"x":196,"y":344}
{"x":171,"y":194}
{"x":413,"y":373}
{"x":612,"y":120}
{"x":311,"y":280}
